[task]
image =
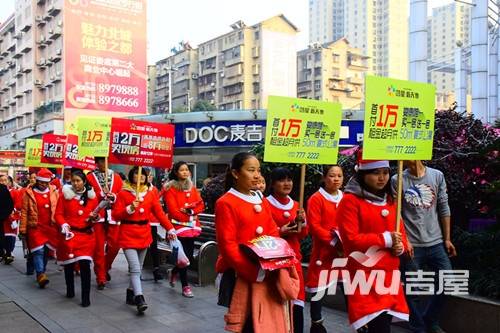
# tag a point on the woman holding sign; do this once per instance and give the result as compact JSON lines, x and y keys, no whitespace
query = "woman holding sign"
{"x":133,"y":207}
{"x":326,"y":243}
{"x":241,"y":216}
{"x":184,"y":203}
{"x":286,"y":214}
{"x":367,"y":224}
{"x":75,"y":216}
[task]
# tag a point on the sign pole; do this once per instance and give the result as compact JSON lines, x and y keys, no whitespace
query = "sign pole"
{"x":399,"y":195}
{"x":106,"y":174}
{"x":139,"y":174}
{"x":301,"y":193}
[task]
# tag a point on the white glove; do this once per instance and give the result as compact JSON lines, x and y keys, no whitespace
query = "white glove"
{"x":65,"y":229}
{"x":14,"y":225}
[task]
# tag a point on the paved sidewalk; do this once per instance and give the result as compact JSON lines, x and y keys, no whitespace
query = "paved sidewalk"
{"x":25,"y":308}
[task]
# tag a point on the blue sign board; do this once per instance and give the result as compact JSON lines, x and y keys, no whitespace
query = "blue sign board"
{"x":236,"y":133}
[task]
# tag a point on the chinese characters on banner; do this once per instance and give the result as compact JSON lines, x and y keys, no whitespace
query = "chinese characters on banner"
{"x":71,"y":157}
{"x":52,"y":148}
{"x":34,"y":155}
{"x":302,"y":131}
{"x":141,"y":143}
{"x":93,"y":136}
{"x":399,"y":119}
{"x":105,"y":56}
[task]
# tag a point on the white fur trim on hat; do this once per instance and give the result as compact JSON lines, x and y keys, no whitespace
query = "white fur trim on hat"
{"x":43,"y":179}
{"x":373,"y":165}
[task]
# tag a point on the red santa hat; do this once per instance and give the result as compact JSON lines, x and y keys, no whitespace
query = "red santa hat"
{"x":44,"y":175}
{"x":369,"y":164}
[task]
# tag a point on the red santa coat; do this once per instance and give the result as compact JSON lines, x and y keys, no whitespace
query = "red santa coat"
{"x":115,"y":184}
{"x":323,"y":227}
{"x":70,"y":210}
{"x":135,"y":231}
{"x":45,"y":232}
{"x":11,"y":224}
{"x":362,"y":225}
{"x":284,"y":213}
{"x":153,"y":221}
{"x":175,"y":198}
{"x":240,"y":218}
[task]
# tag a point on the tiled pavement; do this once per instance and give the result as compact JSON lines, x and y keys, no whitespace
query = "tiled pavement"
{"x":25,"y":308}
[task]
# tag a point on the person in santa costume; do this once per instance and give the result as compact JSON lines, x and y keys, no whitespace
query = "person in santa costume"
{"x":106,"y":228}
{"x":183,"y":203}
{"x":326,"y":243}
{"x":75,"y":215}
{"x":286,"y":214}
{"x":37,"y":222}
{"x":367,"y":225}
{"x":240,"y":216}
{"x":6,"y":210}
{"x":133,"y":208}
{"x":11,"y":224}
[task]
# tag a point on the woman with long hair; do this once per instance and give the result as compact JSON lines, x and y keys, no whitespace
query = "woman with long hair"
{"x":241,"y":216}
{"x":133,"y":208}
{"x":183,"y":203}
{"x":367,"y":224}
{"x":286,"y":214}
{"x":326,"y":243}
{"x":75,"y":215}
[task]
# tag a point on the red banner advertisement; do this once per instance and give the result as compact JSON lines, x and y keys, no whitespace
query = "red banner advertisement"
{"x":71,"y":158}
{"x":105,"y":56}
{"x":141,"y":143}
{"x":52,"y":148}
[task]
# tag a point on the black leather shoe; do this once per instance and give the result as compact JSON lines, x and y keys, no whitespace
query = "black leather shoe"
{"x":140,"y":302}
{"x":317,"y":327}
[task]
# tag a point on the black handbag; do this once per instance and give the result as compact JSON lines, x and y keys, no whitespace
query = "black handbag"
{"x":226,"y":288}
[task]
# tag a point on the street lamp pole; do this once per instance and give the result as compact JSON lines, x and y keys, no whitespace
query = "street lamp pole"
{"x":170,"y":89}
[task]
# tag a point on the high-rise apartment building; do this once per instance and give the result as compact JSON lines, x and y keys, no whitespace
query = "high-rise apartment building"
{"x":31,"y":55}
{"x":234,"y":71}
{"x":379,"y":28}
{"x":332,"y":72}
{"x":448,"y":25}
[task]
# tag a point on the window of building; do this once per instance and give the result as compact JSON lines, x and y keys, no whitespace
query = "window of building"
{"x":317,"y":85}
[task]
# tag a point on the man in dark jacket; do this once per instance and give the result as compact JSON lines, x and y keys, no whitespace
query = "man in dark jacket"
{"x":6,"y":209}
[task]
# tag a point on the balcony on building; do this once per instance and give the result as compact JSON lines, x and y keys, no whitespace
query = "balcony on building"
{"x":55,"y":33}
{"x":355,"y":80}
{"x":40,"y":21}
{"x":26,"y":27}
{"x":303,"y":87}
{"x":53,"y":10}
{"x":357,"y":61}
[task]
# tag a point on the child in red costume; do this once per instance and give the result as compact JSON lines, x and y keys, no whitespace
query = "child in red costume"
{"x":75,"y":215}
{"x":286,"y":214}
{"x":134,"y":209}
{"x":183,"y":203}
{"x":367,"y":223}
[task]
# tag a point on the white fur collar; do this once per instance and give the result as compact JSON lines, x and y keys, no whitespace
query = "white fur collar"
{"x":273,"y":201}
{"x":69,"y":193}
{"x":253,"y":199}
{"x":332,"y":198}
{"x":41,"y":192}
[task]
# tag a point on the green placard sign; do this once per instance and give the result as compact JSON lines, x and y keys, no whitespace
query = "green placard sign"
{"x":399,"y":119}
{"x":93,"y":136}
{"x":34,"y":155}
{"x":302,"y":131}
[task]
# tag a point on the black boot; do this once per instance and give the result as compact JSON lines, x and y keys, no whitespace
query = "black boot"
{"x":85,"y":280}
{"x":130,"y":297}
{"x":140,"y":302}
{"x":70,"y":280}
{"x":157,"y":274}
{"x":298,"y":319}
{"x":317,"y":327}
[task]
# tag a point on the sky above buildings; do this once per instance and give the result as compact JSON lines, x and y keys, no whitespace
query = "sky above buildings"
{"x":197,"y":21}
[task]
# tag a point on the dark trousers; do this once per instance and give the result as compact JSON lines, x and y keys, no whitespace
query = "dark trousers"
{"x":188,"y":245}
{"x":69,"y":276}
{"x":2,"y":240}
{"x":9,"y":244}
{"x":153,"y":248}
{"x":435,"y":259}
{"x":380,"y":324}
{"x":317,"y":306}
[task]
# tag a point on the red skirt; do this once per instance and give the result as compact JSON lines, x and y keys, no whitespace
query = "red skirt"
{"x":42,"y":235}
{"x":80,"y":247}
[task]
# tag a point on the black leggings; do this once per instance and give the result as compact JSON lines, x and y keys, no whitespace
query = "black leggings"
{"x":381,"y":324}
{"x":69,"y":276}
{"x":316,"y":306}
{"x":9,"y":245}
{"x":153,"y":248}
{"x":188,"y":245}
